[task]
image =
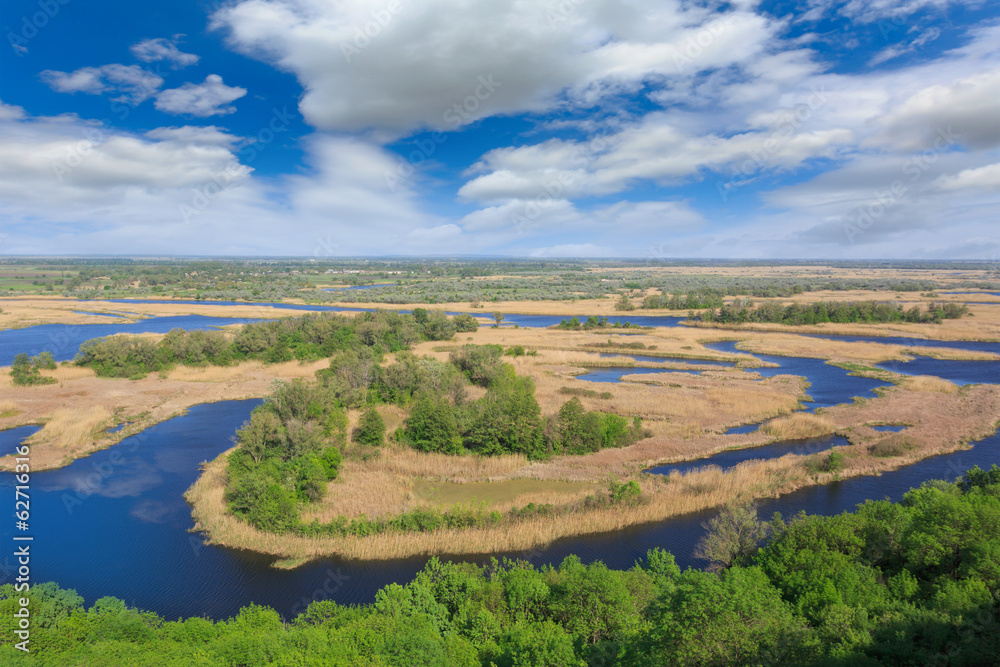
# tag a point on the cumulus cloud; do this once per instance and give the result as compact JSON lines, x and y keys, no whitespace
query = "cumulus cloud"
{"x":968,"y":107}
{"x":131,"y":82}
{"x":979,"y":178}
{"x":210,"y":98}
{"x":69,"y":185}
{"x":444,"y":63}
{"x":159,"y":49}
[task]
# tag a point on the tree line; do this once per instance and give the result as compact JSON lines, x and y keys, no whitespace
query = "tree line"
{"x":743,"y":310}
{"x":895,"y":584}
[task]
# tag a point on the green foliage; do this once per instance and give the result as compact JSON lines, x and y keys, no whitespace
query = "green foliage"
{"x":25,"y":371}
{"x":509,"y":419}
{"x":431,"y":425}
{"x":908,"y":583}
{"x":465,"y":323}
{"x":370,"y":429}
{"x":479,"y":363}
{"x":833,"y":311}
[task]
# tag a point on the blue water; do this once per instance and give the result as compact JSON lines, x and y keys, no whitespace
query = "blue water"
{"x":12,"y":437}
{"x":830,"y":385}
{"x":959,"y":372}
{"x":733,"y":457}
{"x":980,"y":293}
{"x":531,"y":321}
{"x":116,"y":523}
{"x":888,"y":428}
{"x":643,"y":357}
{"x":981,"y":346}
{"x":615,"y":373}
{"x":88,"y":312}
{"x":744,"y":428}
{"x":63,"y":340}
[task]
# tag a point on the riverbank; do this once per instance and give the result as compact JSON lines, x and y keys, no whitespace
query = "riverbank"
{"x":78,"y":410}
{"x":939,"y":420}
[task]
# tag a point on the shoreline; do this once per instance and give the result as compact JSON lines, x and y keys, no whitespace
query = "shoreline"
{"x":973,"y":414}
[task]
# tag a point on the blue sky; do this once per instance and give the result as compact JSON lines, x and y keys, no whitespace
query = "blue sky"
{"x":544,"y":128}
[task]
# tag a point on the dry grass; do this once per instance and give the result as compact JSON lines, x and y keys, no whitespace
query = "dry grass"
{"x":67,"y":427}
{"x":797,"y":426}
{"x":289,"y":369}
{"x":9,"y":408}
{"x":696,"y":491}
{"x":929,"y":383}
{"x":940,"y":425}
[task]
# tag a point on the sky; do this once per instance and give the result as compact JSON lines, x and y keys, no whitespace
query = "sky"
{"x":652,"y":129}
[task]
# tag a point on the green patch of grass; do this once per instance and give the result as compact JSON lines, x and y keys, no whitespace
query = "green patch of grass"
{"x":587,"y":393}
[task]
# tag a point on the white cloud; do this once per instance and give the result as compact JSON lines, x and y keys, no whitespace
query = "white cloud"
{"x":979,"y":178}
{"x":445,"y":63}
{"x":968,"y":107}
{"x":133,"y":83}
{"x":210,"y":98}
{"x":71,"y":186}
{"x":155,"y":50}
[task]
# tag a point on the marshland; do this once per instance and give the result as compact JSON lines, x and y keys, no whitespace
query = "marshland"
{"x":141,"y":441}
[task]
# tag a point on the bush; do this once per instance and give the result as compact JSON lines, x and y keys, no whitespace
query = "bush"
{"x":25,"y":371}
{"x":431,"y":426}
{"x":892,"y":446}
{"x":370,"y":429}
{"x":465,"y":323}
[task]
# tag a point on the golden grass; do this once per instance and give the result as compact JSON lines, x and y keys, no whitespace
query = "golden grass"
{"x":400,"y":460}
{"x":929,"y":383}
{"x":696,"y":491}
{"x":288,"y":369}
{"x":67,"y":427}
{"x":9,"y":408}
{"x":963,"y":418}
{"x":797,"y":426}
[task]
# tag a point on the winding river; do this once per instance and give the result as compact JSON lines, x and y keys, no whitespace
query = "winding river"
{"x":115,"y":523}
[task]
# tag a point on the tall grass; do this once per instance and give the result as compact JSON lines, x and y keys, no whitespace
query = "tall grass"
{"x":799,"y":425}
{"x":66,"y":428}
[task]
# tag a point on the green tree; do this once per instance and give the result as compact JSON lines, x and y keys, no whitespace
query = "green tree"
{"x":509,"y":419}
{"x":431,"y":425}
{"x":370,"y":429}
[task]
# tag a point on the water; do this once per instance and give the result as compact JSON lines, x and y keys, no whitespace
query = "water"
{"x":733,"y":457}
{"x":643,"y":357}
{"x":63,"y":340}
{"x":12,"y":437}
{"x":979,"y":293}
{"x":744,"y":428}
{"x":531,"y":321}
{"x":830,"y":385}
{"x":116,"y":524}
{"x":959,"y":372}
{"x":980,"y":346}
{"x":888,"y":428}
{"x":615,"y":373}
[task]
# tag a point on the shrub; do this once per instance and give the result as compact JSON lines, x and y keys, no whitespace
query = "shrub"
{"x":370,"y":429}
{"x":892,"y":446}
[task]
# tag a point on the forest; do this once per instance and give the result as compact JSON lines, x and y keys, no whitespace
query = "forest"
{"x":908,"y":583}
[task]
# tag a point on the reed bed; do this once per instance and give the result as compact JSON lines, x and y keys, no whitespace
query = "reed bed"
{"x":929,"y":383}
{"x":799,"y":425}
{"x":66,"y":428}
